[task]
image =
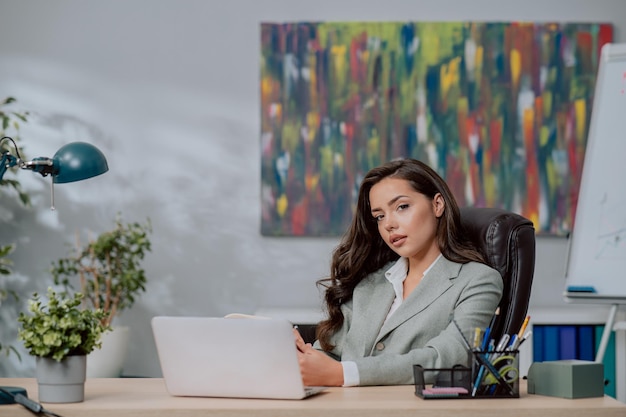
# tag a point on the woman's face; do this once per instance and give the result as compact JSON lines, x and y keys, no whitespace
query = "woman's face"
{"x":407,"y":220}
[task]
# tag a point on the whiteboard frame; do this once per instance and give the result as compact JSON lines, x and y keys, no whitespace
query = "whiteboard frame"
{"x":610,"y":52}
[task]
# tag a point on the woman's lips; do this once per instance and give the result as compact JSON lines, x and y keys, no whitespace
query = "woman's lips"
{"x":397,"y":240}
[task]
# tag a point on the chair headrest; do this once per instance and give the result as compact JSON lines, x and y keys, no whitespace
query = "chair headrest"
{"x":507,"y":241}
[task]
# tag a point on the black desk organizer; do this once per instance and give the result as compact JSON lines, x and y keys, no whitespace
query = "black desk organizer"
{"x":505,"y":385}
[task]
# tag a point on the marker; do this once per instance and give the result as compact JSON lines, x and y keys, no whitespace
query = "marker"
{"x":513,"y":343}
{"x":477,"y":337}
{"x":581,"y":288}
{"x":502,"y":343}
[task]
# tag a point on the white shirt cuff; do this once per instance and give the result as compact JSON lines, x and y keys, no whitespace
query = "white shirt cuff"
{"x":350,"y":374}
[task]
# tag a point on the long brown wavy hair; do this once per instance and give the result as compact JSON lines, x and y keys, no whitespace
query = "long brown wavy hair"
{"x":362,"y":250}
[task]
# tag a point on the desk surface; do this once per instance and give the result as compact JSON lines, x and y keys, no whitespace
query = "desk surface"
{"x":148,"y":397}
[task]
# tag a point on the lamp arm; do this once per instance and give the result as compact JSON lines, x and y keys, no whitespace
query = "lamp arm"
{"x":42,"y":165}
{"x":7,"y":161}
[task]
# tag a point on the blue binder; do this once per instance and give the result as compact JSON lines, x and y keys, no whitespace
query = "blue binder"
{"x":586,"y":343}
{"x":568,"y":345}
{"x":538,"y":343}
{"x":551,"y":343}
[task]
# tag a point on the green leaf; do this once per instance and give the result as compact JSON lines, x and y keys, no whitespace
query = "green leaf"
{"x":20,"y":116}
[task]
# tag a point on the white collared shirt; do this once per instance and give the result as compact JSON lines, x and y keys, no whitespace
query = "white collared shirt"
{"x":396,"y":276}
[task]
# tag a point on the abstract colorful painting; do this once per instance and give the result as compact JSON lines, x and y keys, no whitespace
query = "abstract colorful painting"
{"x":501,"y":110}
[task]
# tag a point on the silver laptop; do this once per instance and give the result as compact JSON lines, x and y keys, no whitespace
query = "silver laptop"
{"x":227,"y":357}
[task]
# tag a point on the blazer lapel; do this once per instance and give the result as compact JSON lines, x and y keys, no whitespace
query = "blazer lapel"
{"x":433,"y":285}
{"x":371,"y":303}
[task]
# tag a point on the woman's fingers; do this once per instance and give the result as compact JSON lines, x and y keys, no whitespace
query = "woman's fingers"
{"x":299,"y":340}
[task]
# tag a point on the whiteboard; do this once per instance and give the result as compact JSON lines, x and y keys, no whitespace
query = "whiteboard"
{"x":596,"y":264}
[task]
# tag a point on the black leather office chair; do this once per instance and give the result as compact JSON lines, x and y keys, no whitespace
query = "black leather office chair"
{"x":507,"y":241}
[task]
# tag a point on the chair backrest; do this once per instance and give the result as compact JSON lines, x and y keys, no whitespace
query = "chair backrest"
{"x":507,"y":241}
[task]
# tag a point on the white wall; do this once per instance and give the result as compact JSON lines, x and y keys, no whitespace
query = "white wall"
{"x":168,"y":90}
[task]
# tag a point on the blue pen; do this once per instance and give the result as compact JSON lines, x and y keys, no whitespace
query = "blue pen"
{"x":486,"y":339}
{"x":481,"y":370}
{"x":479,"y":378}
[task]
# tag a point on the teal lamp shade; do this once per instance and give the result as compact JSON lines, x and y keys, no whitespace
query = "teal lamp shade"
{"x":78,"y":161}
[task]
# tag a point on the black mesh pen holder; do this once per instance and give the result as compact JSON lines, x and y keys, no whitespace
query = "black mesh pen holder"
{"x":493,"y":374}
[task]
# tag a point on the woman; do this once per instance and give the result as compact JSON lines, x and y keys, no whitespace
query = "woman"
{"x":400,"y":275}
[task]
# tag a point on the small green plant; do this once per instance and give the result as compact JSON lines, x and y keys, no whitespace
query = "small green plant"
{"x":108,"y":269}
{"x":60,"y":328}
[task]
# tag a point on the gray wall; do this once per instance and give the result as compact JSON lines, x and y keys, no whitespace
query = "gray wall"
{"x":168,"y":90}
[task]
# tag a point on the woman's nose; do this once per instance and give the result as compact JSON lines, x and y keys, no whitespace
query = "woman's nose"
{"x":390,"y":223}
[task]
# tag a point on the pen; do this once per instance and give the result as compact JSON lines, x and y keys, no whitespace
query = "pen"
{"x":485,"y":343}
{"x":479,"y":377}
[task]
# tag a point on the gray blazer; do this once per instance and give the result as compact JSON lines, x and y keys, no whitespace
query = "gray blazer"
{"x":421,"y":329}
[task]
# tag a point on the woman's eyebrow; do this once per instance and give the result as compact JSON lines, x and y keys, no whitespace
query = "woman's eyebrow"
{"x":390,"y":202}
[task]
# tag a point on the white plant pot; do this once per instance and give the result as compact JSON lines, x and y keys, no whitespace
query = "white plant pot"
{"x":108,"y":361}
{"x":61,"y":382}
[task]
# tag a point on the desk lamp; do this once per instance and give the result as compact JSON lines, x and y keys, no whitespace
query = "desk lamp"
{"x":75,"y":161}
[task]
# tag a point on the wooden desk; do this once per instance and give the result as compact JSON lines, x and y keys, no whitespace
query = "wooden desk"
{"x":148,"y":397}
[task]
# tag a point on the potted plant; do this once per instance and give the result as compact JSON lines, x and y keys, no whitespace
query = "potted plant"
{"x":108,"y":272}
{"x":60,"y":333}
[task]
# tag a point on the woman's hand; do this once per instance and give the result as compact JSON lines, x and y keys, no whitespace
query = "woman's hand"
{"x":317,"y":368}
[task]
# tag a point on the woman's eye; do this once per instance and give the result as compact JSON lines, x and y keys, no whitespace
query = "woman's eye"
{"x":403,"y":207}
{"x":378,"y":218}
